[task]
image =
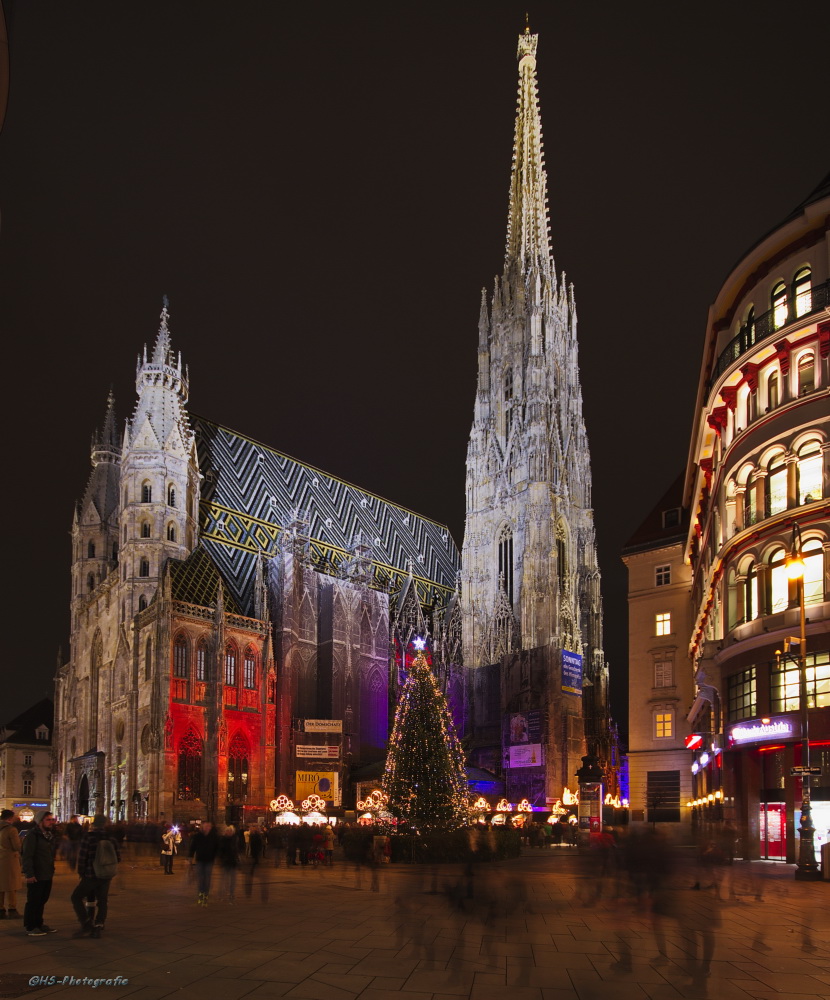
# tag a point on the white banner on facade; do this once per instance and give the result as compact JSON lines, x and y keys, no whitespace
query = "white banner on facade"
{"x":526,"y":755}
{"x":318,"y":752}
{"x":323,"y":725}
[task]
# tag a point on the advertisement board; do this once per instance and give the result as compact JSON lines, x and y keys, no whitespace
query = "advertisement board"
{"x":319,"y":752}
{"x":571,"y":673}
{"x":524,"y":727}
{"x":323,"y":725}
{"x":322,"y":783}
{"x":525,"y":755}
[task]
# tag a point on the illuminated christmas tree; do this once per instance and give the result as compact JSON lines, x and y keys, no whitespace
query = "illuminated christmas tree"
{"x":424,"y":777}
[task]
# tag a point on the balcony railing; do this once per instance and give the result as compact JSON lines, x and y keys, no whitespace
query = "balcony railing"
{"x":773,"y":320}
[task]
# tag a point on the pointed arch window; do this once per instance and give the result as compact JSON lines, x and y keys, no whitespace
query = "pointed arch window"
{"x":802,"y":291}
{"x":506,"y":562}
{"x":171,"y":496}
{"x":181,"y":656}
{"x":238,"y":768}
{"x":144,"y":567}
{"x":171,"y":532}
{"x":230,"y":665}
{"x":114,"y":551}
{"x":145,"y":529}
{"x":90,"y":582}
{"x":779,"y":306}
{"x":191,"y":750}
{"x":142,"y":603}
{"x":146,"y":493}
{"x":201,"y":660}
{"x":148,"y":660}
{"x":90,"y":550}
{"x":249,"y":669}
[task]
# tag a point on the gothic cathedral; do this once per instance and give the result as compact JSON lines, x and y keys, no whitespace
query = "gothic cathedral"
{"x":227,"y":600}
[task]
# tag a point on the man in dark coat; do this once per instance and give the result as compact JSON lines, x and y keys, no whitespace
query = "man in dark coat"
{"x":38,"y":859}
{"x":92,"y":886}
{"x":204,"y":845}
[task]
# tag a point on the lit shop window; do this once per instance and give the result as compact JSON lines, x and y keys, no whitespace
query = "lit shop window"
{"x":784,"y":687}
{"x":662,"y":575}
{"x":663,"y":623}
{"x":662,"y":725}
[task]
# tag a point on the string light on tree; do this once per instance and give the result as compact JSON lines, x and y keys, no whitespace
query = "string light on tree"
{"x":424,"y":776}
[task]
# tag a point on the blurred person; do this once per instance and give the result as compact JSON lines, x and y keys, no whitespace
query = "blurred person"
{"x":98,"y":856}
{"x":11,"y":878}
{"x":38,"y":861}
{"x":228,"y":855}
{"x":73,"y":833}
{"x":202,"y":849}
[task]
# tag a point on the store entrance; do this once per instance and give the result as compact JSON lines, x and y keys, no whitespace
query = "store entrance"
{"x":773,"y":827}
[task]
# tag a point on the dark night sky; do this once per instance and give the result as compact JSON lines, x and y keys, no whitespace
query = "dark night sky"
{"x":322,"y":194}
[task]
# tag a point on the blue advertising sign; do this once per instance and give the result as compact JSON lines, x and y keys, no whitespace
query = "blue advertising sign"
{"x":571,"y":673}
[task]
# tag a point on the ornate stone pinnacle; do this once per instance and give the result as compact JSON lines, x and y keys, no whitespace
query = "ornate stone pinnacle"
{"x":527,"y":45}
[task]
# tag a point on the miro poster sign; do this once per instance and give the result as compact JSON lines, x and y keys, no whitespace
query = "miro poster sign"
{"x":571,"y":673}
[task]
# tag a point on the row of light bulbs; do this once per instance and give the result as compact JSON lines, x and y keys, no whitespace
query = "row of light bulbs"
{"x":706,"y":800}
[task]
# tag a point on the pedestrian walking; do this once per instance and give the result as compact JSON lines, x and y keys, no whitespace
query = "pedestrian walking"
{"x":203,"y":847}
{"x":170,"y":841}
{"x":329,"y":845}
{"x":38,"y":860}
{"x":98,"y":857}
{"x":11,"y":878}
{"x":73,"y":832}
{"x":228,"y":855}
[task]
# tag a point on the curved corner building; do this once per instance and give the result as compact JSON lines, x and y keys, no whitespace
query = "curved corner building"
{"x":757,"y":483}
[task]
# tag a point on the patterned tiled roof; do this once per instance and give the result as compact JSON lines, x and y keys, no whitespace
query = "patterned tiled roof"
{"x":196,"y":581}
{"x":251,"y":493}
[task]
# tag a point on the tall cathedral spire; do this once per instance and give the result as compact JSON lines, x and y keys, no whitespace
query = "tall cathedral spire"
{"x":528,"y":226}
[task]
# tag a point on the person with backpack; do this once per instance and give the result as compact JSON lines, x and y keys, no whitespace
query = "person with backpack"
{"x":98,"y":859}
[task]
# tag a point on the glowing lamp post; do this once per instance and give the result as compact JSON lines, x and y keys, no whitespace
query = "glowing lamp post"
{"x":807,"y":870}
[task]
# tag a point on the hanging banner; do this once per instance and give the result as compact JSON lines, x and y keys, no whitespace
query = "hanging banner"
{"x":526,"y":755}
{"x":571,"y":673}
{"x":318,"y":752}
{"x":322,"y":783}
{"x":323,"y":725}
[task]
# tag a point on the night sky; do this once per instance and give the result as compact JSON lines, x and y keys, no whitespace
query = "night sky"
{"x":321,"y":191}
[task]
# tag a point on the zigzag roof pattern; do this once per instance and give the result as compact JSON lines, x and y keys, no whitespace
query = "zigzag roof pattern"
{"x":251,"y":493}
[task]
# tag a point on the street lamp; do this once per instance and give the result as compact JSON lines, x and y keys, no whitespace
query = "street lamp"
{"x":807,"y":869}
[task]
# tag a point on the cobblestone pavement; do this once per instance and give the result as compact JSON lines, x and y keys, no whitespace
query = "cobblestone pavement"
{"x":537,"y":928}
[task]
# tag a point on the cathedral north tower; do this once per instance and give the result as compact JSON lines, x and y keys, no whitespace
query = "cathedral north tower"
{"x":530,"y":574}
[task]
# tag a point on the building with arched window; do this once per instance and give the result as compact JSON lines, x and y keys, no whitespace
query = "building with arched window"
{"x":758,"y":471}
